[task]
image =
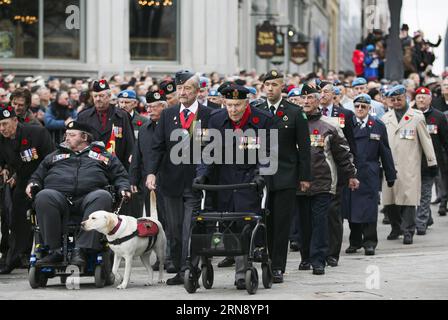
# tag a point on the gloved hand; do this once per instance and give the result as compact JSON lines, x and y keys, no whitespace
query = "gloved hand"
{"x":433,"y":171}
{"x":390,"y":184}
{"x":259,"y":181}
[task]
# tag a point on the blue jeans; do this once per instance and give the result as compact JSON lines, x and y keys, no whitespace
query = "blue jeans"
{"x":313,"y":213}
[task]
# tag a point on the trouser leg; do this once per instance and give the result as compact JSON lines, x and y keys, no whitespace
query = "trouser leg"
{"x":370,"y":235}
{"x":424,"y":210}
{"x":408,"y":214}
{"x":335,"y":226}
{"x":355,"y":235}
{"x":394,"y":213}
{"x":305,"y":226}
{"x":319,"y":235}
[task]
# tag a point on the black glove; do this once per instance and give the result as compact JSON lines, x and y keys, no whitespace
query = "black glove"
{"x":35,"y":189}
{"x":433,"y":171}
{"x":259,"y":181}
{"x":390,"y":184}
{"x":200,"y":180}
{"x":125,"y":196}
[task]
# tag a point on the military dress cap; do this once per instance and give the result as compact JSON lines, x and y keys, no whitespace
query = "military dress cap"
{"x":100,"y":85}
{"x":235,"y":92}
{"x":306,"y":90}
{"x":271,"y":75}
{"x":362,"y":98}
{"x":213,"y":93}
{"x":359,"y":82}
{"x":129,"y":94}
{"x":75,"y":125}
{"x":168,"y":86}
{"x":155,"y":96}
{"x":204,"y":82}
{"x":423,"y":90}
{"x":183,"y":76}
{"x":396,"y":91}
{"x":296,"y":92}
{"x":6,"y":112}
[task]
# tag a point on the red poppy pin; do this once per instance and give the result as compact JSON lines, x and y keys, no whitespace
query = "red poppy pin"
{"x":255,"y":120}
{"x":316,"y":132}
{"x":139,"y":123}
{"x":203,"y":84}
{"x":24,"y":142}
{"x":342,"y":115}
{"x":370,"y":123}
{"x":162,"y":92}
{"x":280,"y":113}
{"x":406,"y":118}
{"x":27,"y":120}
{"x":9,"y":108}
{"x":96,"y":149}
{"x":432,"y":120}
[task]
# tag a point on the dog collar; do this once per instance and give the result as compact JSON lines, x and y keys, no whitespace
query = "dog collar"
{"x":115,"y":229}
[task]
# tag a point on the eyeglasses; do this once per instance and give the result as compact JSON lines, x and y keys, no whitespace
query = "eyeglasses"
{"x":361,"y":106}
{"x":396,"y":99}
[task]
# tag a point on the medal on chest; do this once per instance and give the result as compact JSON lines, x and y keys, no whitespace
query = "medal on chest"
{"x":317,"y":140}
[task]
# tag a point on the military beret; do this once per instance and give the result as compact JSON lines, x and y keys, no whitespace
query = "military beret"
{"x":204,"y":82}
{"x":423,"y":90}
{"x":271,"y":75}
{"x":183,"y":76}
{"x":359,"y":82}
{"x":213,"y":93}
{"x":235,"y":92}
{"x":6,"y":112}
{"x":129,"y":94}
{"x":323,"y":84}
{"x":306,"y":90}
{"x":396,"y":91}
{"x":336,"y":91}
{"x":168,"y":86}
{"x":100,"y":85}
{"x":296,"y":92}
{"x":362,"y":98}
{"x":155,"y":96}
{"x":240,"y":82}
{"x":252,"y":90}
{"x":223,"y":86}
{"x":75,"y":125}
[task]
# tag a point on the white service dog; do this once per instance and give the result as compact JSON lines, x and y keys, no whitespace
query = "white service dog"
{"x":122,"y":227}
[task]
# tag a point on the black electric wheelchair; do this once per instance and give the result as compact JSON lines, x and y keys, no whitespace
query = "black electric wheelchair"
{"x":98,"y":266}
{"x":228,"y":234}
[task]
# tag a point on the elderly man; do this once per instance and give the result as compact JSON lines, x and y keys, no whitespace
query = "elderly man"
{"x":110,"y":125}
{"x":215,"y":98}
{"x":21,"y":102}
{"x":73,"y":180}
{"x":437,"y":126}
{"x":294,"y":168}
{"x":22,"y":147}
{"x":408,"y":137}
{"x":203,"y":94}
{"x":188,"y":118}
{"x":362,"y":205}
{"x":359,"y":86}
{"x":168,"y":87}
{"x":127,"y":101}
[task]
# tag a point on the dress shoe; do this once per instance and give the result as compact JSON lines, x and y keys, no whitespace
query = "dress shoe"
{"x":178,"y":279}
{"x":394,"y":236}
{"x":442,"y":211}
{"x":437,"y":201}
{"x":386,"y":219}
{"x":304,"y":266}
{"x":171,"y":268}
{"x":54,"y":257}
{"x":240,"y":284}
{"x":78,"y":258}
{"x":227,"y":262}
{"x":421,"y":232}
{"x":277,"y":276}
{"x":408,"y":239}
{"x":369,"y":251}
{"x":351,"y":250}
{"x":332,"y":261}
{"x":294,"y":246}
{"x":318,"y":271}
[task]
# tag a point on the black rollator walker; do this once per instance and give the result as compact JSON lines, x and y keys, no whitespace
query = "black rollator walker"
{"x":225,"y":234}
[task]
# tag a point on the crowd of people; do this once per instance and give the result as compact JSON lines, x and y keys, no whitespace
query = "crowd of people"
{"x":345,"y":144}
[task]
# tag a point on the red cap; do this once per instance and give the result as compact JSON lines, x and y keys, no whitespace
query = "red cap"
{"x":423,"y":90}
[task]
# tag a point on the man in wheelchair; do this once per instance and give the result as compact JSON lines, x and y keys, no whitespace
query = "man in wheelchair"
{"x":72,"y":181}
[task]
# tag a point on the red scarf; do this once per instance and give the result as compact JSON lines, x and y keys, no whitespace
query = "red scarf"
{"x":240,"y":124}
{"x":186,"y":124}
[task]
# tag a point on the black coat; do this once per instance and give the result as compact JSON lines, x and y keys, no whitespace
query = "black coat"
{"x":140,"y":156}
{"x":176,"y":177}
{"x":348,"y":128}
{"x":119,"y":119}
{"x":24,"y":154}
{"x":77,"y":174}
{"x":440,"y":104}
{"x":293,"y":147}
{"x":247,"y":200}
{"x":213,"y":105}
{"x":361,"y":205}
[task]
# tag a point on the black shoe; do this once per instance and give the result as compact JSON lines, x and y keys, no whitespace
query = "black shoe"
{"x":171,"y":268}
{"x":55,"y":257}
{"x":78,"y":258}
{"x":176,"y":280}
{"x":294,"y":246}
{"x":369,"y":251}
{"x":408,"y":239}
{"x":442,"y":211}
{"x":351,"y":250}
{"x":332,"y":261}
{"x":304,"y":266}
{"x":277,"y":276}
{"x":318,"y":271}
{"x":386,"y":219}
{"x":394,"y":236}
{"x":227,"y":262}
{"x":437,"y":201}
{"x":430,"y":222}
{"x":240,"y":284}
{"x":421,"y":232}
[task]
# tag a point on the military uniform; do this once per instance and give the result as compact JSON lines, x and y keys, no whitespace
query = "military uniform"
{"x":137,"y":122}
{"x":22,"y":155}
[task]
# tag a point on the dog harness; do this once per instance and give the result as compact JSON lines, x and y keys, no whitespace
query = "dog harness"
{"x":145,"y":229}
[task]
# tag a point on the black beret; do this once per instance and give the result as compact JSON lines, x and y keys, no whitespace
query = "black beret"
{"x":100,"y":85}
{"x":183,"y":76}
{"x":168,"y":86}
{"x":75,"y":125}
{"x":271,"y":75}
{"x":240,"y":82}
{"x":306,"y":90}
{"x":323,"y":84}
{"x":223,"y":86}
{"x":155,"y":96}
{"x":235,"y":92}
{"x":6,"y":112}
